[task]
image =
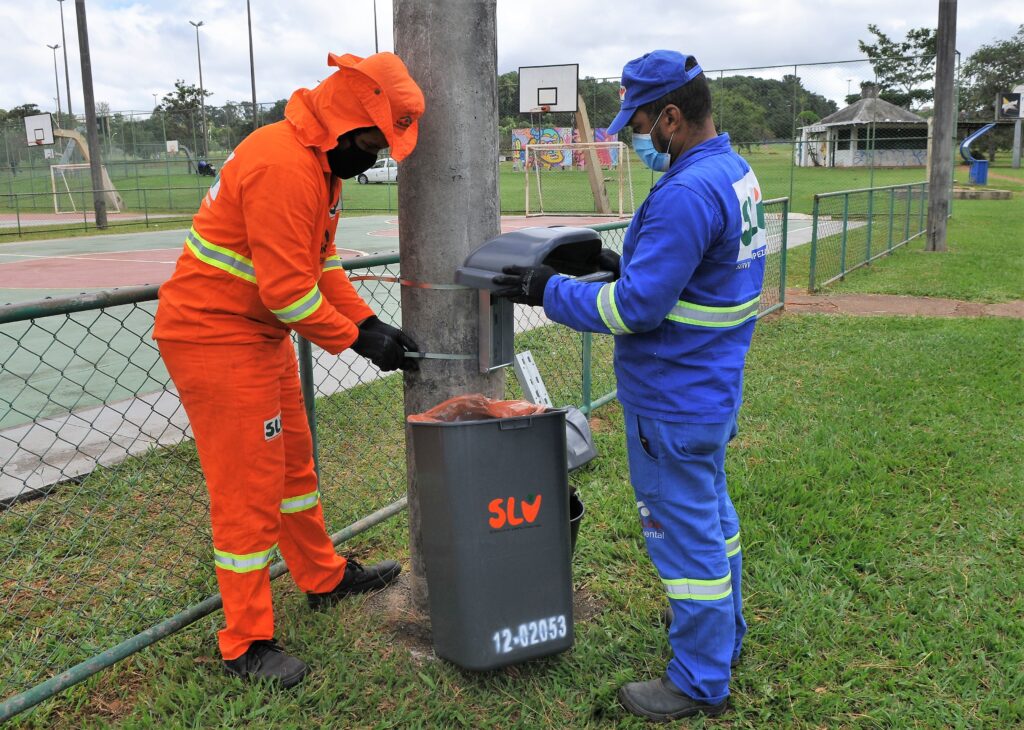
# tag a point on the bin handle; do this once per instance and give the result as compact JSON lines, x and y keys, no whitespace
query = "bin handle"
{"x":515,"y":423}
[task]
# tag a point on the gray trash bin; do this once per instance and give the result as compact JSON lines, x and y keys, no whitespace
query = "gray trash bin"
{"x":494,"y":516}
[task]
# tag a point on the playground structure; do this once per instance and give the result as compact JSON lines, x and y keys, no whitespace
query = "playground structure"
{"x":979,"y":168}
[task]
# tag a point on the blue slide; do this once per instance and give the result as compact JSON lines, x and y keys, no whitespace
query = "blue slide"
{"x":965,"y":146}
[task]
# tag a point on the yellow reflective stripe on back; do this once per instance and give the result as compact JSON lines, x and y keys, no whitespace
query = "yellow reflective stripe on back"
{"x":302,"y":502}
{"x":681,"y":589}
{"x":332,"y":262}
{"x":300,"y":308}
{"x":219,"y":257}
{"x":704,"y":316}
{"x":246,"y":563}
{"x":609,"y":311}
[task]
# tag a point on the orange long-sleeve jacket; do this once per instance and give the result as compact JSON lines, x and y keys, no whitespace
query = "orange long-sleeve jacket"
{"x":260,"y":258}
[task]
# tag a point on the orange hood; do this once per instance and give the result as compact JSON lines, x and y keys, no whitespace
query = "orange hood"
{"x":364,"y":92}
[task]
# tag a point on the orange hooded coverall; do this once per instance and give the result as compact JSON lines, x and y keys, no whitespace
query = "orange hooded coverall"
{"x":260,"y":261}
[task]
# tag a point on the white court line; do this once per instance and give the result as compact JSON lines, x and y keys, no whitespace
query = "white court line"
{"x":90,"y":258}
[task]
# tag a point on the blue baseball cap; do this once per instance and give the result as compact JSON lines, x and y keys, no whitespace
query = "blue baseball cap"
{"x":649,"y":78}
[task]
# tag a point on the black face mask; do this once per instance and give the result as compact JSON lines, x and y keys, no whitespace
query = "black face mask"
{"x":346,"y":163}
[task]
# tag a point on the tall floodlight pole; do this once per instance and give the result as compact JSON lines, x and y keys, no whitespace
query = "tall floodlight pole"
{"x":67,"y":74}
{"x":56,"y":78}
{"x":202,"y":91}
{"x":376,"y":43}
{"x":939,"y":178}
{"x":252,"y":67}
{"x":92,"y":133}
{"x":447,"y":207}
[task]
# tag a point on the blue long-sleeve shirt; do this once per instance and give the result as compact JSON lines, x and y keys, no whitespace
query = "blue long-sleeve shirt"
{"x":684,"y":309}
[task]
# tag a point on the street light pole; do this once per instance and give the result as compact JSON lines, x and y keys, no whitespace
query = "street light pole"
{"x":56,"y":78}
{"x":67,"y":74}
{"x":376,"y":44}
{"x":202,"y":91}
{"x":252,"y":67}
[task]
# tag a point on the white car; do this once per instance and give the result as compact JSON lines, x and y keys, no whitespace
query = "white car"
{"x":384,"y":170}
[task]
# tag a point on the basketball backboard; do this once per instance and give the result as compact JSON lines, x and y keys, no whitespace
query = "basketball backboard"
{"x":39,"y":130}
{"x":548,"y":88}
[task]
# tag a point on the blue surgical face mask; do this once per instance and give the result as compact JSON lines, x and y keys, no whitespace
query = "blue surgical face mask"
{"x":643,"y":145}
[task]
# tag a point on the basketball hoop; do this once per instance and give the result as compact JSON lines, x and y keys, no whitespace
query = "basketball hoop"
{"x":39,"y":141}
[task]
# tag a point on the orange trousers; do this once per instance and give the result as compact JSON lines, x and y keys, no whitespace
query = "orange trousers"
{"x":245,"y":406}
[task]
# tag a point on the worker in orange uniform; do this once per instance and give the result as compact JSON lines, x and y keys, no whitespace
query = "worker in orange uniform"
{"x":259,"y":262}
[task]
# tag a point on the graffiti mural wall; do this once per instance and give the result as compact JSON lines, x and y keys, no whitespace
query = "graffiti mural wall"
{"x":558,"y":159}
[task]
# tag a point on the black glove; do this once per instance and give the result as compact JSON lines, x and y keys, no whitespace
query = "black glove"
{"x":524,"y":284}
{"x":380,"y":349}
{"x":373,"y":324}
{"x":608,"y":260}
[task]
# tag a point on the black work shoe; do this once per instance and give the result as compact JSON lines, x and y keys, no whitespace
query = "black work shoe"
{"x":661,"y":701}
{"x":357,"y":579}
{"x":666,"y":618}
{"x":265,"y":660}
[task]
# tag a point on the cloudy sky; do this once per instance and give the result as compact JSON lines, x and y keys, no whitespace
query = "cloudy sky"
{"x":140,"y":48}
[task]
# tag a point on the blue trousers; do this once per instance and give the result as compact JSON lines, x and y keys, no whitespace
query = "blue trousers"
{"x":692,"y":533}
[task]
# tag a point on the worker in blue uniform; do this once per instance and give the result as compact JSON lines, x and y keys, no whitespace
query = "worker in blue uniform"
{"x":682,"y":309}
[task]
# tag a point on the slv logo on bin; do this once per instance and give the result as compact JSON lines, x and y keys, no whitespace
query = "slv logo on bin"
{"x":506,"y":511}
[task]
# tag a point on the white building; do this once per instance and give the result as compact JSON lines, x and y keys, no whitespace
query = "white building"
{"x":871,"y":131}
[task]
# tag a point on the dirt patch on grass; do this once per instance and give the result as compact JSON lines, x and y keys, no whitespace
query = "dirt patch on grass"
{"x":869,"y":305}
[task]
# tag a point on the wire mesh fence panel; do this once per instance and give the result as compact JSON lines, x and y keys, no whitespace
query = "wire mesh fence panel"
{"x":853,"y":227}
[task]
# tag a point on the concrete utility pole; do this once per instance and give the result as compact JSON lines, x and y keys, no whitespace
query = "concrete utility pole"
{"x":448,"y":205}
{"x":92,"y":132}
{"x":942,"y":145}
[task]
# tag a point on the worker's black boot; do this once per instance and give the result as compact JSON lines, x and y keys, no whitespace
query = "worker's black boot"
{"x":661,"y":701}
{"x":666,"y":618}
{"x":265,"y":660}
{"x":357,"y":579}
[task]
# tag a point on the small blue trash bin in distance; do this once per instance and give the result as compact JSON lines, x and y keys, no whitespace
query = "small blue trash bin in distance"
{"x":979,"y":172}
{"x":494,"y":524}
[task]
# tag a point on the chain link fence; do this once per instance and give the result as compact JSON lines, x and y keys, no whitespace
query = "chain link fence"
{"x":776,"y":116}
{"x":104,"y":528}
{"x":851,"y":228}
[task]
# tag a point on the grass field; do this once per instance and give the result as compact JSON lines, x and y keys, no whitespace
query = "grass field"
{"x":878,"y":476}
{"x":882,"y":543}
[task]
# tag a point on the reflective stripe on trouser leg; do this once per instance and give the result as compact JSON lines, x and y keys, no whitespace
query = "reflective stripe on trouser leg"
{"x":305,"y":545}
{"x":733,"y":549}
{"x":672,"y":468}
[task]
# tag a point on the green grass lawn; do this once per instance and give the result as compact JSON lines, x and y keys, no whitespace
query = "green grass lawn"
{"x":876,"y":477}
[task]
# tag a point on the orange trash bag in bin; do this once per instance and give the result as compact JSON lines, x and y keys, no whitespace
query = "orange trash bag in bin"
{"x":476,"y":407}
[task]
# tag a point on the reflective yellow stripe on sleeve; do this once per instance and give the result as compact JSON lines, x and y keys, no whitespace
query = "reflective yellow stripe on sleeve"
{"x":732,"y":545}
{"x":609,"y":311}
{"x":300,"y":308}
{"x":219,"y":257}
{"x":332,"y":262}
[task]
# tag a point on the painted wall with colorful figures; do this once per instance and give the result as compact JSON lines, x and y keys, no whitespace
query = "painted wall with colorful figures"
{"x":558,"y":159}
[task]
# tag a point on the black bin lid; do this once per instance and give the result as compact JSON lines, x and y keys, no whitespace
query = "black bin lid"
{"x":567,"y":249}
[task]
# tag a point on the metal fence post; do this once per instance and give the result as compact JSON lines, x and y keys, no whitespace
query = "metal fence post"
{"x":920,"y":212}
{"x":17,"y":213}
{"x":309,"y":394}
{"x":871,"y":217}
{"x":892,"y":215}
{"x":842,"y":242}
{"x":587,"y":381}
{"x":783,"y":253}
{"x":814,"y":245}
{"x":910,"y":205}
